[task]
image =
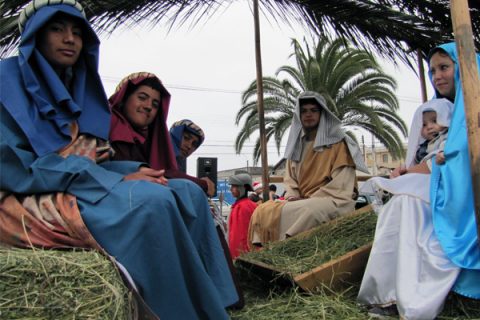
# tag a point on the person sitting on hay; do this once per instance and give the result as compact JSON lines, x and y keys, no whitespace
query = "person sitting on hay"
{"x":139,"y":132}
{"x":320,"y":179}
{"x":58,"y":188}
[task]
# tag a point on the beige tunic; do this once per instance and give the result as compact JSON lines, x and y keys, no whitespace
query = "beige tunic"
{"x":326,"y":183}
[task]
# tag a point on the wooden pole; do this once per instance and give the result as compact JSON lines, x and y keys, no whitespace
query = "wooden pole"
{"x":421,"y":73}
{"x":462,"y":29}
{"x":260,"y":110}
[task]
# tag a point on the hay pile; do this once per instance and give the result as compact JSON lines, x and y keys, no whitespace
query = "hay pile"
{"x":53,"y":284}
{"x":267,"y":302}
{"x":327,"y":242}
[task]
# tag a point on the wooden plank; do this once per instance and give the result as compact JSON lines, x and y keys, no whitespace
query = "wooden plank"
{"x":266,"y":271}
{"x":336,"y":272}
{"x":462,"y":28}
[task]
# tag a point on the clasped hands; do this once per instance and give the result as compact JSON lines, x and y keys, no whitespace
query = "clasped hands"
{"x":148,"y":174}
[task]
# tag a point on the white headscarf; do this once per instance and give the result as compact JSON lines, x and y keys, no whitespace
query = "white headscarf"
{"x":443,"y":108}
{"x":329,"y":132}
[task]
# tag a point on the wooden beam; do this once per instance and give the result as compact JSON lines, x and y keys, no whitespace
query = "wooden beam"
{"x":462,"y":29}
{"x":421,"y":74}
{"x":260,"y":109}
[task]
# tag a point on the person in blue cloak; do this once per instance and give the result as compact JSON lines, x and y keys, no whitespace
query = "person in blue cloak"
{"x":426,"y":243}
{"x":58,"y":188}
{"x":186,"y":137}
{"x":451,"y":190}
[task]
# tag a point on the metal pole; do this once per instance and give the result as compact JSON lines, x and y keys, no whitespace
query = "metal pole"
{"x":462,"y":29}
{"x":261,"y":117}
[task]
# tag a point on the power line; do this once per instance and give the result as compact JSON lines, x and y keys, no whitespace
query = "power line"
{"x":181,"y":87}
{"x":222,"y":90}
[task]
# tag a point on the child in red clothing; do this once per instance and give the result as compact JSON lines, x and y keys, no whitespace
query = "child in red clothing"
{"x":242,"y":211}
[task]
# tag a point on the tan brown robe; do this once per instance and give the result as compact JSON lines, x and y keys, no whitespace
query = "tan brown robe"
{"x":326,"y":183}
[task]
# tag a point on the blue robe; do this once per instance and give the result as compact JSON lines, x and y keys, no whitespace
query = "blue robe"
{"x":451,"y":196}
{"x":164,"y":236}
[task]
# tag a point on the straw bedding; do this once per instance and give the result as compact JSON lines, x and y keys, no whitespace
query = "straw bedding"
{"x":54,"y":284}
{"x":327,"y":242}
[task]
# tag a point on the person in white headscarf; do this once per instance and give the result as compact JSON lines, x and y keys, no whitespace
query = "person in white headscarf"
{"x":419,"y":275}
{"x":320,"y":179}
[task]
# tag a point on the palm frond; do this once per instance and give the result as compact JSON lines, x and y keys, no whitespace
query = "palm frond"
{"x":392,"y":28}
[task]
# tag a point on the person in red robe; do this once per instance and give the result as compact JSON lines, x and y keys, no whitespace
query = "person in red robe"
{"x":138,"y":129}
{"x":241,"y":213}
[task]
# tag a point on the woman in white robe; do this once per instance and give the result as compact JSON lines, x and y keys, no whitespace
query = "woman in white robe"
{"x":407,"y":265}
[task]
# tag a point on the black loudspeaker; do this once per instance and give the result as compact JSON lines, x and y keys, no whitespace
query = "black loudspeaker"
{"x":207,"y":167}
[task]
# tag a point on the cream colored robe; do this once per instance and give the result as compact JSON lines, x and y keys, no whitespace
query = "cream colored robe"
{"x":325,"y":181}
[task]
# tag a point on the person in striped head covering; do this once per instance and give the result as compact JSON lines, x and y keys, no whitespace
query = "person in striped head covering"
{"x":138,"y":128}
{"x":186,"y":137}
{"x":320,"y":180}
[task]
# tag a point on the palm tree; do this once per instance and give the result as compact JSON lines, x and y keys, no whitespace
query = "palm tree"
{"x":354,"y":85}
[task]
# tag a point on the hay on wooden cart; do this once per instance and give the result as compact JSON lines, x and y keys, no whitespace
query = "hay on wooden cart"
{"x":54,"y":284}
{"x":267,"y":301}
{"x":300,"y":254}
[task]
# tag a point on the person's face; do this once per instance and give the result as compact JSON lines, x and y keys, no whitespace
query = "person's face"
{"x":141,"y":107}
{"x":189,"y":143}
{"x":60,"y":42}
{"x":310,"y":116}
{"x":442,"y":69}
{"x":430,"y":127}
{"x":235,"y":191}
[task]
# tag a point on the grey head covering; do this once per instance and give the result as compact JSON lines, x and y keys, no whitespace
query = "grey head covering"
{"x":243,"y":181}
{"x":329,"y":132}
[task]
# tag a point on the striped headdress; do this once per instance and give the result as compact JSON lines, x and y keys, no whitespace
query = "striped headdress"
{"x":35,"y":5}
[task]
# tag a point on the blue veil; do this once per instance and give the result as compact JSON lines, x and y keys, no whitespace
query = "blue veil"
{"x":451,"y":195}
{"x":45,"y":100}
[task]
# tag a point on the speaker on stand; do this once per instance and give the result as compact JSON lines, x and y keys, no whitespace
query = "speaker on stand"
{"x":207,"y":167}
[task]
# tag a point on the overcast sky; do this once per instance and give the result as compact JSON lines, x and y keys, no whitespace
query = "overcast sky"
{"x":206,"y":68}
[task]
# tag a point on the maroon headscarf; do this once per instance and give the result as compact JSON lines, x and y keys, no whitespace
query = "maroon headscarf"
{"x":156,"y":143}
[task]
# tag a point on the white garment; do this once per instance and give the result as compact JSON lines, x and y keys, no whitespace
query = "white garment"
{"x":444,"y":110}
{"x":407,"y":265}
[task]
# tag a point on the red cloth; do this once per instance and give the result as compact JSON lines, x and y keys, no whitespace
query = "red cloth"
{"x":238,"y":223}
{"x":154,"y":147}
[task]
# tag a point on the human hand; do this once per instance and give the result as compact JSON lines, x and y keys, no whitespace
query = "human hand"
{"x":148,"y":174}
{"x":440,"y":158}
{"x":210,"y":186}
{"x":398,"y":172}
